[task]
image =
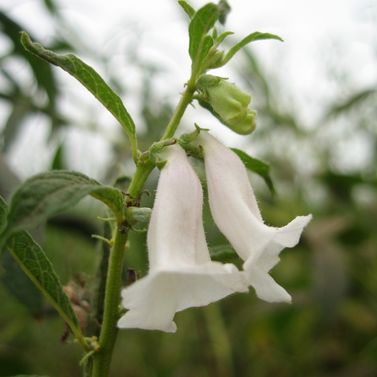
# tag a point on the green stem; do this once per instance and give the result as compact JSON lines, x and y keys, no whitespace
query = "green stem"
{"x":102,"y":359}
{"x":137,"y":183}
{"x":107,"y":338}
{"x":221,"y":348}
{"x":184,"y":101}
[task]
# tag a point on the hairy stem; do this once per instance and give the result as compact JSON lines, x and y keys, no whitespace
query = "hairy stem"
{"x":102,"y":359}
{"x":184,"y":101}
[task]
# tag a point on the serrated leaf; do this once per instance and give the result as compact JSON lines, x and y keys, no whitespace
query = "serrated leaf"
{"x":47,"y":194}
{"x":257,"y":166}
{"x":3,"y":213}
{"x":256,"y":36}
{"x":201,"y":23}
{"x":33,"y":261}
{"x":91,"y":80}
{"x":189,"y":10}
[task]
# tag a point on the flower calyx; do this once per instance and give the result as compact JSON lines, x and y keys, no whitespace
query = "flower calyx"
{"x":188,"y":142}
{"x":226,"y":102}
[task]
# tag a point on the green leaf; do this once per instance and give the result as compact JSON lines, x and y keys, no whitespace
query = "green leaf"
{"x":206,"y":45}
{"x":51,"y":6}
{"x":3,"y":213}
{"x":221,"y":38}
{"x":42,"y":72}
{"x":190,"y":11}
{"x":20,"y":287}
{"x":257,"y":166}
{"x":112,"y":197}
{"x":222,"y":253}
{"x":58,"y":160}
{"x":21,"y":108}
{"x":356,"y":99}
{"x":47,"y":194}
{"x":34,"y":262}
{"x":201,"y":23}
{"x":91,"y":80}
{"x":256,"y":36}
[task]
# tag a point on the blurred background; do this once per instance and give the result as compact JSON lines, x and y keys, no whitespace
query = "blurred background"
{"x":316,"y":99}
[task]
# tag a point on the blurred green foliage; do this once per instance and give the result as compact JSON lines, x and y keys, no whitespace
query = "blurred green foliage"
{"x":331,"y":327}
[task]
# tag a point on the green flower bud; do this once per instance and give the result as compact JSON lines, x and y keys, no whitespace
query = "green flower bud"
{"x":228,"y":103}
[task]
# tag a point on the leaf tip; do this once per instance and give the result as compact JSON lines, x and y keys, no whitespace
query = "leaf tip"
{"x":25,"y":39}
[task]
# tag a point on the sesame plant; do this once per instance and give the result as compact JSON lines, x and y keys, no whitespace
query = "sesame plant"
{"x":181,"y":272}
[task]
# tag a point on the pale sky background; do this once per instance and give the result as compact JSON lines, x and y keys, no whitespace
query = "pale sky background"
{"x":319,"y":35}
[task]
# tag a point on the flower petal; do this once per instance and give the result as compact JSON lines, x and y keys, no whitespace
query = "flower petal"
{"x":153,"y":300}
{"x":266,"y":287}
{"x":181,"y":273}
{"x":176,"y":234}
{"x":236,"y":213}
{"x":151,"y":304}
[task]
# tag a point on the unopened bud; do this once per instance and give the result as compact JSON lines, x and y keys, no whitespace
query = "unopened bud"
{"x":229,"y":103}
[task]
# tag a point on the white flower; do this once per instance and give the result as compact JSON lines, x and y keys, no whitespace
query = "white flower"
{"x":236,"y":213}
{"x":181,"y":273}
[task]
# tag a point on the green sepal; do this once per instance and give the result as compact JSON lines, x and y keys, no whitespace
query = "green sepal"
{"x":227,"y":102}
{"x":155,"y":152}
{"x":160,"y":164}
{"x":191,"y":136}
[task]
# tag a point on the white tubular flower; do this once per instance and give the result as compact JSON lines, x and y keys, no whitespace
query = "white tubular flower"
{"x":181,"y":273}
{"x":236,"y":213}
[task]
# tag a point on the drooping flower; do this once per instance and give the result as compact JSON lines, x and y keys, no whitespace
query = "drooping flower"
{"x":228,"y":103}
{"x":181,"y":273}
{"x":237,"y":215}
